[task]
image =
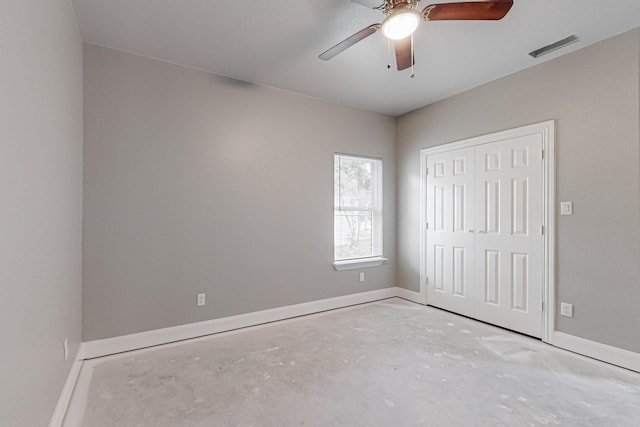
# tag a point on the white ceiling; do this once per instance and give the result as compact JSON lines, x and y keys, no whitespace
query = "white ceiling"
{"x":277,"y":43}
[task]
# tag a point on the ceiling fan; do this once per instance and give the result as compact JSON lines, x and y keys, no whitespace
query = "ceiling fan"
{"x":403,"y":19}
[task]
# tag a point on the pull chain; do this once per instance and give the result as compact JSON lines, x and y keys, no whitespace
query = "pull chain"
{"x":388,"y":54}
{"x":412,"y":61}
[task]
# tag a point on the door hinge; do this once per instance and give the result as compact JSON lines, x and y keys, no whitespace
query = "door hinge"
{"x":426,"y":280}
{"x":542,"y":306}
{"x":542,"y":154}
{"x":542,"y":230}
{"x":426,"y":225}
{"x":426,"y":171}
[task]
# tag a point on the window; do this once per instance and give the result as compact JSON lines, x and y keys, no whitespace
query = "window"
{"x":357,"y":211}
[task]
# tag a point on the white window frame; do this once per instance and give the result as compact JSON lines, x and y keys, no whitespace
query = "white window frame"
{"x":377,"y":259}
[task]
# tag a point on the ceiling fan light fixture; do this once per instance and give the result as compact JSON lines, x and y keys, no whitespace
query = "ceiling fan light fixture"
{"x":401,"y":23}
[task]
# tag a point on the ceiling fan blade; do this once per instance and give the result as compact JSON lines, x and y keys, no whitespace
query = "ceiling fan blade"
{"x":470,"y":10}
{"x":348,"y":42}
{"x":403,"y":54}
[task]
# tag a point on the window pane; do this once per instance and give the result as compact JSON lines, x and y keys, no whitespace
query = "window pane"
{"x":357,"y":210}
{"x":355,"y":183}
{"x":353,"y":234}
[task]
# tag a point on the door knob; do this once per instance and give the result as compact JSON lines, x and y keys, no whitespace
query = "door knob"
{"x":470,"y":231}
{"x":481,"y":231}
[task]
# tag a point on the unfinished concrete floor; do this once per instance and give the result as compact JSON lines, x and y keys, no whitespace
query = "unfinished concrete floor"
{"x":389,"y":363}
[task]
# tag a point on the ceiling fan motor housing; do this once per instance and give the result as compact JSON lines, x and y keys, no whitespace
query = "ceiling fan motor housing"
{"x":390,"y":6}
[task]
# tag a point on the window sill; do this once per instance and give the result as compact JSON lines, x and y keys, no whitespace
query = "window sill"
{"x":353,"y":264}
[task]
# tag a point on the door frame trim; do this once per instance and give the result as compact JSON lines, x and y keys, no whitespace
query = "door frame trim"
{"x":547,"y":130}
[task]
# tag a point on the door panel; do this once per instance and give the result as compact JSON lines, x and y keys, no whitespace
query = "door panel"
{"x":484,"y":239}
{"x":450,"y":251}
{"x":509,"y":245}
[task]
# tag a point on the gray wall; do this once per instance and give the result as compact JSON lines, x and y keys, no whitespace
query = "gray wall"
{"x":198,"y":183}
{"x":41,"y":204}
{"x":593,"y":94}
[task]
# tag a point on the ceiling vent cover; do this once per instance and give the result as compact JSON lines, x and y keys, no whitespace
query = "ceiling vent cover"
{"x":554,"y":46}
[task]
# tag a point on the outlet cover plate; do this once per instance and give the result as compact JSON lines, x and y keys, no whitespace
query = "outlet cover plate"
{"x":566,"y":309}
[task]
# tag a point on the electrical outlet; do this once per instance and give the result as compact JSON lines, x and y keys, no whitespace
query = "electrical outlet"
{"x":65,"y":347}
{"x":362,"y":276}
{"x":566,"y":309}
{"x":201,"y":299}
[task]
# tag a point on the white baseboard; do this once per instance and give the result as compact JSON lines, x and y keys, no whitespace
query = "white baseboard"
{"x":104,"y":347}
{"x":411,"y":295}
{"x":606,"y":353}
{"x":67,"y":391}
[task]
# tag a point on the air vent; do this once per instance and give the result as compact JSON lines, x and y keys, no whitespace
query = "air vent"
{"x":554,"y":46}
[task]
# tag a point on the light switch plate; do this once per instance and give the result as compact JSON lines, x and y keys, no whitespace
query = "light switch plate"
{"x":201,"y":300}
{"x":566,"y":208}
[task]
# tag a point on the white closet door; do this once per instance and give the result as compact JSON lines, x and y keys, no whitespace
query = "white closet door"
{"x":450,"y":234}
{"x":508,"y":245}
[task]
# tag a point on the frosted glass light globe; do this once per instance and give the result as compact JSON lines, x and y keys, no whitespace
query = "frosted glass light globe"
{"x":401,"y":23}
